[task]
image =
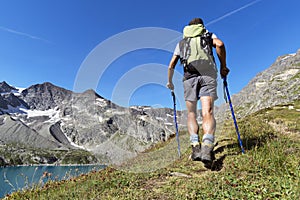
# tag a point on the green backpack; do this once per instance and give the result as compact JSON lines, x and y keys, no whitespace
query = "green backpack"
{"x":196,"y":50}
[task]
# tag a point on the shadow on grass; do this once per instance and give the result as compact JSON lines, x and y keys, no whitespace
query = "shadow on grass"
{"x":217,"y":164}
{"x":234,"y":149}
{"x":257,"y":141}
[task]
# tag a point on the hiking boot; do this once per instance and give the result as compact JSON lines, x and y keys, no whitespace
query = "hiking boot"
{"x":196,"y":154}
{"x":207,"y":153}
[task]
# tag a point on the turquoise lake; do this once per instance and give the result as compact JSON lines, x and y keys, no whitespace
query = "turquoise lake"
{"x":22,"y":177}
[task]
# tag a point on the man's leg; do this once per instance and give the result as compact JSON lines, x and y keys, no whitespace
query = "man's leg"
{"x":209,"y":127}
{"x":208,"y":119}
{"x":192,"y":123}
{"x":193,"y":128}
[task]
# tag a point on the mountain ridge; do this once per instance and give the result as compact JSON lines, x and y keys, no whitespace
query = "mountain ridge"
{"x":86,"y":121}
{"x":278,"y":84}
{"x":72,"y":120}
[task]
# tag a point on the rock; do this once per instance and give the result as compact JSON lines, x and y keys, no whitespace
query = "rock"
{"x":57,"y":133}
{"x":279,"y":84}
{"x":15,"y":131}
{"x":5,"y":88}
{"x":45,"y":96}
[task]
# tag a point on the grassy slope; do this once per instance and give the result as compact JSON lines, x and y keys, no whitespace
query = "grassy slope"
{"x":270,"y":169}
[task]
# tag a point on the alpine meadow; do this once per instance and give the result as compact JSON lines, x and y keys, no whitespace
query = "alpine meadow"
{"x":151,"y":100}
{"x":267,"y":111}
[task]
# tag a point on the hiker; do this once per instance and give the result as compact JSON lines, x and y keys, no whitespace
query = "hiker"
{"x":199,"y":82}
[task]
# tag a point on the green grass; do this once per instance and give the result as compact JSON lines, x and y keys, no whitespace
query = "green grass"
{"x":270,"y":169}
{"x":296,"y":64}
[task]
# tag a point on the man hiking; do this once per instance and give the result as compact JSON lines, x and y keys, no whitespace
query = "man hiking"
{"x":200,"y":82}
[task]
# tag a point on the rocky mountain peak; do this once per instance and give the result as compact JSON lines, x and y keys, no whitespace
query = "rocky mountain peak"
{"x":44,"y":88}
{"x":45,"y":96}
{"x":4,"y":87}
{"x":68,"y":120}
{"x":9,"y":99}
{"x":278,"y":84}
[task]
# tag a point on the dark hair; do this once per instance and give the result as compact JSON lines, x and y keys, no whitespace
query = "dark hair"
{"x":196,"y":21}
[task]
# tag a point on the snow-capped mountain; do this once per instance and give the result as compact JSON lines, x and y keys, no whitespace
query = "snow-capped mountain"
{"x":48,"y":116}
{"x":9,"y":99}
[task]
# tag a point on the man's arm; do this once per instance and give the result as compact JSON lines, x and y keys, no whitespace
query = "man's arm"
{"x":171,"y":68}
{"x":221,"y":52}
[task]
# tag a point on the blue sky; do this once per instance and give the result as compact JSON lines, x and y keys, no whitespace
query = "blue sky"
{"x":53,"y":40}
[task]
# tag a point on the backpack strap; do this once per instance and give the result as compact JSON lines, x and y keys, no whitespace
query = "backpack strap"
{"x":185,"y":50}
{"x":207,"y":42}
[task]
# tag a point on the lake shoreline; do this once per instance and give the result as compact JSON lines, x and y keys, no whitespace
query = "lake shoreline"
{"x":14,"y":178}
{"x":54,"y":165}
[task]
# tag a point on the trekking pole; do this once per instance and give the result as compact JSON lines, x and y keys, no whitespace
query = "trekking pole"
{"x":232,"y":113}
{"x":175,"y":120}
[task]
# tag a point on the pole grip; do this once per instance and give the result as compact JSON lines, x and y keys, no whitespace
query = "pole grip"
{"x":173,"y":95}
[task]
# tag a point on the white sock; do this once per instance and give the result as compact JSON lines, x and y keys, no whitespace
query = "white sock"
{"x":208,"y":138}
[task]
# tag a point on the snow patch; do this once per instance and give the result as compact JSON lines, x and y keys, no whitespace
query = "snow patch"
{"x":11,"y":109}
{"x":74,"y":144}
{"x":17,"y":92}
{"x":20,"y":89}
{"x":286,"y":74}
{"x":259,"y":85}
{"x":168,"y":115}
{"x":53,"y":114}
{"x":288,"y":56}
{"x":160,"y":118}
{"x":115,"y":112}
{"x":101,"y":119}
{"x":143,"y":117}
{"x":101,"y":102}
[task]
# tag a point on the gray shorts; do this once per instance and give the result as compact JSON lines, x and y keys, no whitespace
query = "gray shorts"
{"x":200,"y":86}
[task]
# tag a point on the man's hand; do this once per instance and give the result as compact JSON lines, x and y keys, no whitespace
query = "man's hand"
{"x":170,"y":85}
{"x":224,"y":71}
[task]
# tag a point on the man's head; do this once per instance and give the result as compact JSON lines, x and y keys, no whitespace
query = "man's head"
{"x":196,"y":21}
